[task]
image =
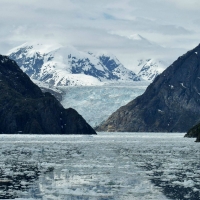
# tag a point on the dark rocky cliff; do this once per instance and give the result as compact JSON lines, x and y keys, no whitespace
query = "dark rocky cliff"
{"x":194,"y":132}
{"x":25,"y":109}
{"x":170,"y":104}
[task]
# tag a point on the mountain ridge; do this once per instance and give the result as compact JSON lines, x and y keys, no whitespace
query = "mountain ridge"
{"x":63,"y":66}
{"x":170,"y":104}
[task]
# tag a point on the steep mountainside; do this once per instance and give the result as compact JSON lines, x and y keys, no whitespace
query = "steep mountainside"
{"x":66,"y":66}
{"x":170,"y":104}
{"x":150,"y":69}
{"x":25,"y":109}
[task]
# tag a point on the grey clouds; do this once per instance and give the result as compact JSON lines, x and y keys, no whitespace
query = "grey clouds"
{"x":167,"y":28}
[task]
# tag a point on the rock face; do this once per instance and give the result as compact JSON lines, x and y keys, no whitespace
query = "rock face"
{"x":170,"y":104}
{"x":194,"y":132}
{"x":25,"y":109}
{"x":66,"y":66}
{"x":198,"y":138}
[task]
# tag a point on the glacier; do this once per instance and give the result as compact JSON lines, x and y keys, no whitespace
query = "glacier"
{"x":97,"y":103}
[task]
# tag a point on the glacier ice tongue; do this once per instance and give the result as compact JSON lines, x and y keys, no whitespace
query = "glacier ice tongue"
{"x":97,"y":103}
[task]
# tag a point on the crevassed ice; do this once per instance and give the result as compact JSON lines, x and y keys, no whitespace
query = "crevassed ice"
{"x":97,"y":103}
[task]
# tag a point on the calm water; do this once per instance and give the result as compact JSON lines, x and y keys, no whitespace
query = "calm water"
{"x":107,"y":166}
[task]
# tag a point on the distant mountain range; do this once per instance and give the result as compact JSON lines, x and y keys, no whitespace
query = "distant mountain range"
{"x":66,"y":66}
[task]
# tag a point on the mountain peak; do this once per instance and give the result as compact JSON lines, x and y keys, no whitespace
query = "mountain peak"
{"x":150,"y":68}
{"x":136,"y":37}
{"x":58,"y":65}
{"x":36,"y":46}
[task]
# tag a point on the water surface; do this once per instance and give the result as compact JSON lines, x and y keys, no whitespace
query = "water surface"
{"x":107,"y":166}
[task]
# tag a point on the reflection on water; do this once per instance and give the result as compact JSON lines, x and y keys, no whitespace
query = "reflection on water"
{"x":107,"y":166}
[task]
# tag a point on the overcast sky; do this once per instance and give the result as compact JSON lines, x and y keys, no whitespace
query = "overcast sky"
{"x":130,"y":29}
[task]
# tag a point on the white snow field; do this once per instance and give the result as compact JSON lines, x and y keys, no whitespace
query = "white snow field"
{"x":97,"y":103}
{"x":59,"y":65}
{"x":107,"y":166}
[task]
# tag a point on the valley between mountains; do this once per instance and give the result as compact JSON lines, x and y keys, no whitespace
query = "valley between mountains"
{"x":98,"y":84}
{"x":100,"y":100}
{"x":68,"y":159}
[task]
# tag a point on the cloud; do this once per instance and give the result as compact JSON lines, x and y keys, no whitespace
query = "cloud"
{"x":103,"y":25}
{"x":185,"y":4}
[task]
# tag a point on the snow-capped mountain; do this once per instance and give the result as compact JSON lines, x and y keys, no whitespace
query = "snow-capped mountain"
{"x":150,"y":68}
{"x":66,"y":66}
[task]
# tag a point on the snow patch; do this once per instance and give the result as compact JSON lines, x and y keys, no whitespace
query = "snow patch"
{"x":183,"y":85}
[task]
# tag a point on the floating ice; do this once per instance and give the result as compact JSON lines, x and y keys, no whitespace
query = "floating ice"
{"x":107,"y":166}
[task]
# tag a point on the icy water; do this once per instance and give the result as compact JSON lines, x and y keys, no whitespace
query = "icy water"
{"x":109,"y":166}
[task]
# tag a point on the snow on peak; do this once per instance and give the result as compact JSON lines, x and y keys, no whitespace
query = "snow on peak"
{"x":36,"y":47}
{"x":150,"y":68}
{"x":65,"y":65}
